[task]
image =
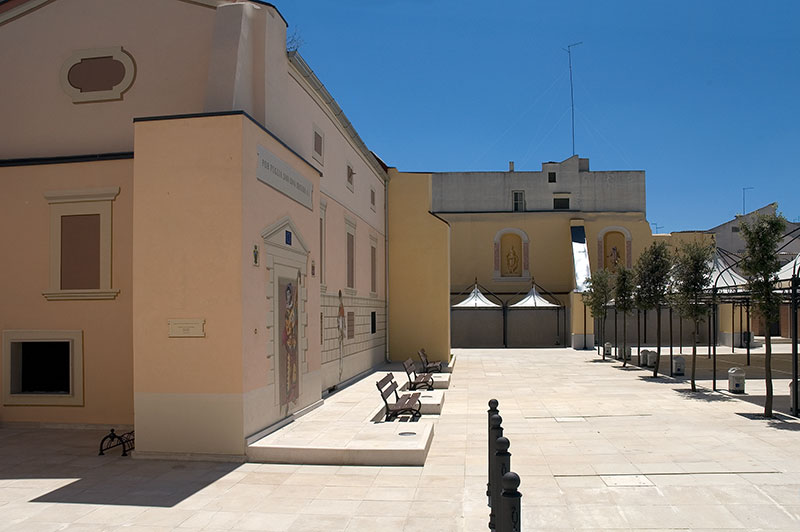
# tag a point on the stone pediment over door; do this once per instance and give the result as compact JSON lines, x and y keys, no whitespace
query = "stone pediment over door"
{"x":283,"y":235}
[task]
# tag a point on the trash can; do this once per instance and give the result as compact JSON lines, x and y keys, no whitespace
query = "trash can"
{"x":678,"y":366}
{"x":736,"y":380}
{"x":651,"y":358}
{"x":607,"y":349}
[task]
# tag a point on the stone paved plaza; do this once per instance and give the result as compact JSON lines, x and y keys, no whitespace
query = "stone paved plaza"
{"x":597,"y":447}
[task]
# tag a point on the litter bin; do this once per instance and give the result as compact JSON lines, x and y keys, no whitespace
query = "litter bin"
{"x":736,"y":380}
{"x":651,"y":358}
{"x":607,"y":349}
{"x":678,"y":366}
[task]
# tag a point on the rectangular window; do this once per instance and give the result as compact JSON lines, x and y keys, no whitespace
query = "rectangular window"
{"x":373,"y":258}
{"x":351,"y":260}
{"x":43,"y":368}
{"x":373,"y":319}
{"x":561,"y":203}
{"x":318,"y":145}
{"x":372,"y":198}
{"x":351,"y":325}
{"x":734,"y":229}
{"x":321,"y":328}
{"x":80,"y":251}
{"x":80,"y":244}
{"x":518,"y":200}
{"x":551,"y":177}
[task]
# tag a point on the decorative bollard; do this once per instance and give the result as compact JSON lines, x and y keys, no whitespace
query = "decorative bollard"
{"x":502,"y":465}
{"x":495,"y":431}
{"x":509,"y":518}
{"x":491,"y":412}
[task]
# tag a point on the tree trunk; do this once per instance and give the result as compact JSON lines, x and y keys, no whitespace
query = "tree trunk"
{"x":603,"y":336}
{"x":658,"y":341}
{"x":624,"y":339}
{"x":768,"y":371}
{"x":694,"y":352}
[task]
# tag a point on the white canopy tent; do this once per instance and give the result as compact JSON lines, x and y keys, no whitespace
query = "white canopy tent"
{"x":785,"y":273}
{"x":476,"y":300}
{"x":534,"y":300}
{"x":729,"y":280}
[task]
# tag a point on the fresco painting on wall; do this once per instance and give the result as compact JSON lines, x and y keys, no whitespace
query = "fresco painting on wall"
{"x":289,"y":375}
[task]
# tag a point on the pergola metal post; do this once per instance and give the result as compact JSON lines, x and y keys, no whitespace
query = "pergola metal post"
{"x":714,"y":341}
{"x":793,"y":315}
{"x":733,"y":325}
{"x":749,"y":332}
{"x":670,"y":341}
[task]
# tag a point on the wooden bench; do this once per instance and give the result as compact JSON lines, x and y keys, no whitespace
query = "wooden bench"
{"x":417,"y":380}
{"x":428,"y":367}
{"x":408,"y":403}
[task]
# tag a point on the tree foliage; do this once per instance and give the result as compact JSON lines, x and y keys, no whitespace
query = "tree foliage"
{"x":652,"y":276}
{"x":760,"y":262}
{"x":691,"y":277}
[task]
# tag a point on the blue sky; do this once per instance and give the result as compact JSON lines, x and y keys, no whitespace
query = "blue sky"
{"x":702,"y":95}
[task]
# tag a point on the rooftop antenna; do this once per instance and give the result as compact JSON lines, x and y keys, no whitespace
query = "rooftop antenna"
{"x":744,"y":190}
{"x":568,"y":49}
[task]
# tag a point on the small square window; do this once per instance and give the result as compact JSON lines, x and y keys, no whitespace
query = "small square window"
{"x":734,"y":229}
{"x":551,"y":177}
{"x":43,"y":368}
{"x":518,"y":200}
{"x":561,"y":203}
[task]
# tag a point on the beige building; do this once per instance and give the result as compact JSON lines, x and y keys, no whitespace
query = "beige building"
{"x":247,"y":277}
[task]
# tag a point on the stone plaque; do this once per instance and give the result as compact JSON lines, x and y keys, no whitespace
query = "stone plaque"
{"x":187,"y":328}
{"x":274,"y":172}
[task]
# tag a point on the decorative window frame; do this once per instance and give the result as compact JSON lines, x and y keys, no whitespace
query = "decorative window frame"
{"x":76,"y":202}
{"x":526,"y":274}
{"x":75,"y":339}
{"x":115,"y":52}
{"x":601,"y":244}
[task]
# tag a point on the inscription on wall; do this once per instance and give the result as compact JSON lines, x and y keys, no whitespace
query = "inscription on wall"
{"x":274,"y":172}
{"x":187,"y":328}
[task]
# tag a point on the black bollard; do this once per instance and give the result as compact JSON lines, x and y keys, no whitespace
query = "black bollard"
{"x":509,"y":518}
{"x":491,"y":412}
{"x":502,"y":465}
{"x":495,"y":431}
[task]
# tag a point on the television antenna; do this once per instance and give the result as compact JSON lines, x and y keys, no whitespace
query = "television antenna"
{"x":568,"y":49}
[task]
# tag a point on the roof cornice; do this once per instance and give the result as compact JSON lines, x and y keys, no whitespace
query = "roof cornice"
{"x":304,"y":70}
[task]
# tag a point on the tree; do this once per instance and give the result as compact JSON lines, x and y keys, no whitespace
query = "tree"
{"x":692,"y":274}
{"x":596,"y":296}
{"x":623,"y":301}
{"x":760,"y":264}
{"x":652,"y":281}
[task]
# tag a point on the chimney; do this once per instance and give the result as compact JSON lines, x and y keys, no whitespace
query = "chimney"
{"x":510,"y":166}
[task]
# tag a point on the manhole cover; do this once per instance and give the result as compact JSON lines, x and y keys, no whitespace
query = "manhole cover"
{"x":408,"y":434}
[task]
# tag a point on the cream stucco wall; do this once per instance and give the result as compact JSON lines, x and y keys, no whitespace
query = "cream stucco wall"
{"x":187,"y":264}
{"x":169,"y":41}
{"x":419,"y":270}
{"x":106,"y":325}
